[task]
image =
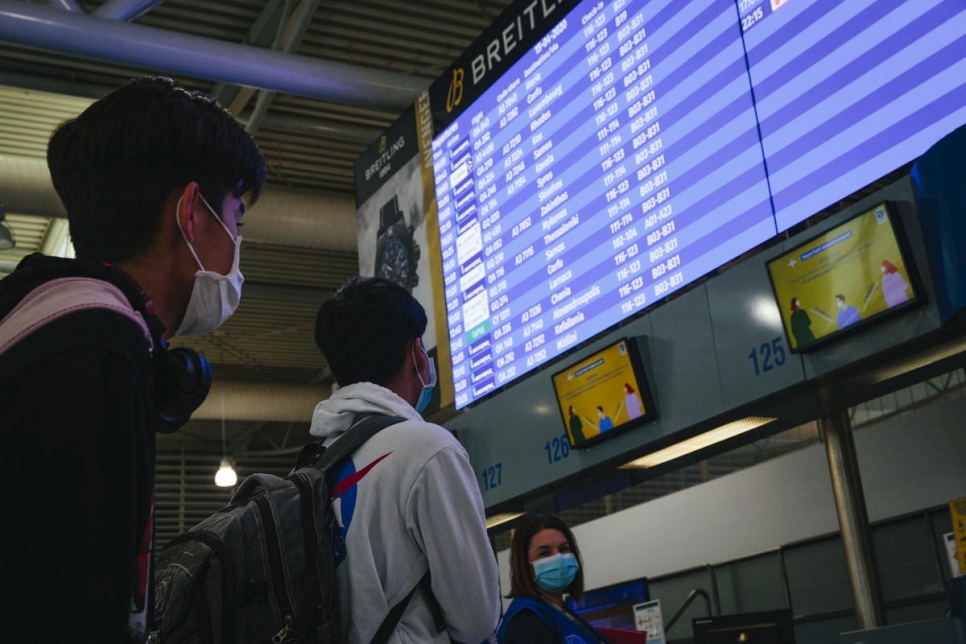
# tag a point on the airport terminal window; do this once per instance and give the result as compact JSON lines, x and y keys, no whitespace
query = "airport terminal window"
{"x":928,"y":392}
{"x":906,"y":560}
{"x":818,"y":577}
{"x":751,"y":584}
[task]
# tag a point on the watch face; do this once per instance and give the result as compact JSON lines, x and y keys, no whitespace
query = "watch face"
{"x":393,"y":262}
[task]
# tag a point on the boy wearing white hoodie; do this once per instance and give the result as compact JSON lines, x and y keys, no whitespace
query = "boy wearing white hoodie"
{"x":407,"y":502}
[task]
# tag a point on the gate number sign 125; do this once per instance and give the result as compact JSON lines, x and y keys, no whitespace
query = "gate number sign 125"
{"x":768,"y":356}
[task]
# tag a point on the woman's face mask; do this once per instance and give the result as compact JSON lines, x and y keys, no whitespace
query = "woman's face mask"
{"x":214,"y":297}
{"x":556,"y":572}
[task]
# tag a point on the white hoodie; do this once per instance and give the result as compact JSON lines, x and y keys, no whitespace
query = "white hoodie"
{"x":415,"y":506}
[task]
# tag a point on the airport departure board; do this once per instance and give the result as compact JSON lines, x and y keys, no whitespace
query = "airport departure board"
{"x":639,"y":145}
{"x":846,"y":92}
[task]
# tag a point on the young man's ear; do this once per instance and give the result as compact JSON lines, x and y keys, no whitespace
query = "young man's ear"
{"x":419,"y":356}
{"x":187,"y":200}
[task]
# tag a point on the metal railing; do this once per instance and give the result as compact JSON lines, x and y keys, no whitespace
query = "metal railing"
{"x":684,"y":606}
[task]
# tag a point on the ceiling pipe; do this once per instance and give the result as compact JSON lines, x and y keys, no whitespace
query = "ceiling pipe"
{"x":312,"y":220}
{"x":284,"y":217}
{"x":172,"y":52}
{"x":259,"y":401}
{"x":125,"y":9}
{"x":27,"y":189}
{"x":297,"y":124}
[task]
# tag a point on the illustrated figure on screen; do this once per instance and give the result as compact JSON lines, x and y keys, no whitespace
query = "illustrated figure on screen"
{"x":635,"y":408}
{"x":604,"y":421}
{"x":576,"y":426}
{"x":893,"y":285}
{"x":801,"y":324}
{"x":848,"y":314}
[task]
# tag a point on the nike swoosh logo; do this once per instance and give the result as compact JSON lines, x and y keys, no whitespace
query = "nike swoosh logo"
{"x":343,"y":486}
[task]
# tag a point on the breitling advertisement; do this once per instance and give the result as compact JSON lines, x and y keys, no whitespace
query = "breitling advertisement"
{"x":391,"y":214}
{"x":511,"y":35}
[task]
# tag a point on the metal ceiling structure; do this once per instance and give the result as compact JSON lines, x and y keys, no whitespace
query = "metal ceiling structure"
{"x":315,"y":81}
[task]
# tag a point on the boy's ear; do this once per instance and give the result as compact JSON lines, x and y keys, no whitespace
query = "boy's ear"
{"x":186,"y":209}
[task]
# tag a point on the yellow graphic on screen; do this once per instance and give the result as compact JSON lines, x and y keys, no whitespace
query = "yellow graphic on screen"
{"x":598,"y":394}
{"x":847,"y":275}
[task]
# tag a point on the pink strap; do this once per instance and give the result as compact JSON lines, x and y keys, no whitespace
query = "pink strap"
{"x":60,"y":297}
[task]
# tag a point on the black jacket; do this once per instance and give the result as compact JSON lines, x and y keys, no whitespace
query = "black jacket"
{"x":76,"y":409}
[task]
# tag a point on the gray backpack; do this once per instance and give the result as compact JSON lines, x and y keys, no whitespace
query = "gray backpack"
{"x":261,"y":569}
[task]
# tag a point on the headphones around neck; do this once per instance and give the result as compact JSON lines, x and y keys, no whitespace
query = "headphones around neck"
{"x":182,"y":380}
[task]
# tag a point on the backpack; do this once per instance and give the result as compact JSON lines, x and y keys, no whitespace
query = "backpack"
{"x":261,"y":569}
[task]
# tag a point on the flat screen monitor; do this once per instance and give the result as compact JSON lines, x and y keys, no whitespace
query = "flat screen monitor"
{"x":763,"y":627}
{"x":850,"y":276}
{"x":612,"y":606}
{"x":603,"y":394}
{"x":591,"y":158}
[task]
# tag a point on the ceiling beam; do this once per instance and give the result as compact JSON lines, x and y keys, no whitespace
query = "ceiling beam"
{"x":66,"y":5}
{"x":125,"y":9}
{"x":295,"y":28}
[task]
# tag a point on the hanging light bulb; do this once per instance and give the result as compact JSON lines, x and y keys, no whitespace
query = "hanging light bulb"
{"x":225,"y":477}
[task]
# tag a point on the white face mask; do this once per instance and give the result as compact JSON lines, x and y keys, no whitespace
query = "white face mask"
{"x":214,"y":297}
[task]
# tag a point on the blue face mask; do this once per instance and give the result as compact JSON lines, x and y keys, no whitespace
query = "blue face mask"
{"x":557,"y":572}
{"x":427,"y":393}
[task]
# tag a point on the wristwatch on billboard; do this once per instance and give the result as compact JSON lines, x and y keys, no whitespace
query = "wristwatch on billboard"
{"x":396,"y":252}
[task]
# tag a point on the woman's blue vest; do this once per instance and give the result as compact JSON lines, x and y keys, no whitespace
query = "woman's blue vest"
{"x":571,"y":631}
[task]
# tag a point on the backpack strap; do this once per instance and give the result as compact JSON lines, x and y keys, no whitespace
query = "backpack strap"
{"x":60,"y":297}
{"x":395,"y":613}
{"x":324,"y":457}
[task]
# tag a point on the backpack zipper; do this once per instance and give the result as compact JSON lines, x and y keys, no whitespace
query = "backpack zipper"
{"x":280,"y":636}
{"x":275,"y":568}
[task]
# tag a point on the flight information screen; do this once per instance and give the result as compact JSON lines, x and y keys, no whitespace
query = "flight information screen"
{"x":846,"y":92}
{"x":637,"y":146}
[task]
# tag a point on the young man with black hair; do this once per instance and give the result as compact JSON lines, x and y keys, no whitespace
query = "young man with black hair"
{"x":153,"y":179}
{"x":408,"y":501}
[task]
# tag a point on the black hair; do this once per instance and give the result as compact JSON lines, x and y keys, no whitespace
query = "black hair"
{"x":840,"y":297}
{"x":115,"y":164}
{"x":365,"y":329}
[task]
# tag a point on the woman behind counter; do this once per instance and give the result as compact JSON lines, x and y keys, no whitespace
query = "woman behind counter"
{"x":545,"y":564}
